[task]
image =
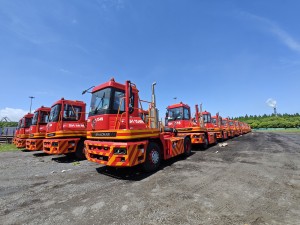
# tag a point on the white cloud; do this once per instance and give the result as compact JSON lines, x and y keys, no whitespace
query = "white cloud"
{"x":277,"y":31}
{"x":286,"y":38}
{"x":12,"y":114}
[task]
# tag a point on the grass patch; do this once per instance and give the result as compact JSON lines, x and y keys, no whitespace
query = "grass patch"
{"x":8,"y":148}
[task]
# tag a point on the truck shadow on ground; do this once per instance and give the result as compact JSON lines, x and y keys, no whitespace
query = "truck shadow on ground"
{"x":25,"y":150}
{"x":66,"y":159}
{"x":40,"y":154}
{"x":136,"y":173}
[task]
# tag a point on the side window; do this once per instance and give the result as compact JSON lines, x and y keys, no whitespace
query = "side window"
{"x":77,"y":111}
{"x":28,"y":122}
{"x":71,"y":113}
{"x":207,"y":118}
{"x":119,"y":99}
{"x":44,"y":117}
{"x":186,"y":114}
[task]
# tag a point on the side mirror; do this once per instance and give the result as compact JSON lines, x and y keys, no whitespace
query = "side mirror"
{"x":131,"y":99}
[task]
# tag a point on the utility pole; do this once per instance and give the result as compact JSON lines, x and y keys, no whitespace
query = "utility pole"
{"x":31,"y":97}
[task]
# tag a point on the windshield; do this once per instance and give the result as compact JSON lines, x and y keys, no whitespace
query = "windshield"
{"x":206,"y":118}
{"x":231,"y":123}
{"x":28,"y":122}
{"x":35,"y":118}
{"x":175,"y":114}
{"x":224,"y":122}
{"x":54,"y":113}
{"x":44,"y":117}
{"x":214,"y":120}
{"x":107,"y":101}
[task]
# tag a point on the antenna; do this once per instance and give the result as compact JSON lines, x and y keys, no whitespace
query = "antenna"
{"x":272,"y":103}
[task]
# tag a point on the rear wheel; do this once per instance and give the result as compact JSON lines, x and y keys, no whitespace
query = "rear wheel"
{"x":222,"y":138}
{"x":187,"y":146}
{"x":153,"y":157}
{"x":205,"y":144}
{"x":79,"y":153}
{"x":216,"y":139}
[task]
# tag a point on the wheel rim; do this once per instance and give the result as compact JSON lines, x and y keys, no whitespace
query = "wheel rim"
{"x":154,"y":157}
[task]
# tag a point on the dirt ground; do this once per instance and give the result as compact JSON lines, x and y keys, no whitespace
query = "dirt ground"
{"x":253,"y":180}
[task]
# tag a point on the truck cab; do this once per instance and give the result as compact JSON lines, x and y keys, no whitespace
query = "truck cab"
{"x":213,"y":124}
{"x":23,"y":132}
{"x":178,"y":116}
{"x":237,"y":127}
{"x":226,"y":128}
{"x":221,"y":132}
{"x":37,"y":129}
{"x":66,"y":129}
{"x":17,"y":132}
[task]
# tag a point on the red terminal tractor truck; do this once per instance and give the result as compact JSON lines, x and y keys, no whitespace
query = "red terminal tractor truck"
{"x":37,"y":129}
{"x":23,"y":131}
{"x":16,"y":135}
{"x":118,"y":137}
{"x":213,"y":125}
{"x":220,"y":132}
{"x":66,"y":129}
{"x":178,"y":116}
{"x":227,"y":128}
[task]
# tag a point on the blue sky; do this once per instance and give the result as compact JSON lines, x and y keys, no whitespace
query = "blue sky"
{"x":230,"y":55}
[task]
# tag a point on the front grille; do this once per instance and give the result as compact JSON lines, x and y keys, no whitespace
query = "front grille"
{"x":99,"y":157}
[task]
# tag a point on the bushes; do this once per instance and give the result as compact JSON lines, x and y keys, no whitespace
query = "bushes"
{"x":272,"y":121}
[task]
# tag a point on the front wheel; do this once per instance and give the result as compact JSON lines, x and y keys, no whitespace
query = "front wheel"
{"x":79,"y":153}
{"x":187,"y":146}
{"x":153,"y":157}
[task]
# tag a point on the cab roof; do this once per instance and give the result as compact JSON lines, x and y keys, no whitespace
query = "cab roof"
{"x":28,"y":115}
{"x":43,"y":108}
{"x":73,"y":102}
{"x":177,"y":105}
{"x":112,"y":83}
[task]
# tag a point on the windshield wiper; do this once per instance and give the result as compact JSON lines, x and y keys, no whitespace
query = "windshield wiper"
{"x":101,"y":101}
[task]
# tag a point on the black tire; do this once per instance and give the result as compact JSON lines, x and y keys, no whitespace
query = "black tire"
{"x":187,"y":146}
{"x":79,"y":153}
{"x":153,"y":157}
{"x":222,"y":138}
{"x":215,"y":136}
{"x":205,"y":144}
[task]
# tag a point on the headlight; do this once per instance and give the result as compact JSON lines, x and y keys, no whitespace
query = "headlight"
{"x":55,"y":144}
{"x":120,"y":151}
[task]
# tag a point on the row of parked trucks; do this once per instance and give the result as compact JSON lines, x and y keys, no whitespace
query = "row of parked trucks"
{"x":118,"y":132}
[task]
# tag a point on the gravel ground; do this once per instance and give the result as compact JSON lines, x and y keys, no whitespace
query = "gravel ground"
{"x":253,"y":180}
